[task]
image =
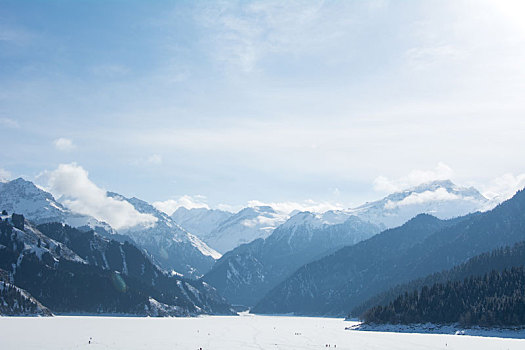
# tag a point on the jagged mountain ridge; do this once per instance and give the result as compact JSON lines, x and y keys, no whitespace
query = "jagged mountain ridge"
{"x":225,"y":231}
{"x":248,"y":272}
{"x":442,"y":199}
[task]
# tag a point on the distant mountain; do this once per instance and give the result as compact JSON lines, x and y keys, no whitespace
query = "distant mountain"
{"x":248,"y":272}
{"x":442,"y":199}
{"x":224,"y":231}
{"x":337,"y":283}
{"x":172,"y":247}
{"x":201,"y":221}
{"x":82,"y":272}
{"x":39,"y":206}
{"x":495,"y":260}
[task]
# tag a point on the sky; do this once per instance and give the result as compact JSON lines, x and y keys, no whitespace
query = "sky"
{"x":319,"y":104}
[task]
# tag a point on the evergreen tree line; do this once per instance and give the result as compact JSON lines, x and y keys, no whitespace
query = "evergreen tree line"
{"x":497,"y":259}
{"x":494,"y":299}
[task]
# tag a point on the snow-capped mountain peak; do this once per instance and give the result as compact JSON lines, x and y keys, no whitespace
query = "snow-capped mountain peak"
{"x":245,"y":226}
{"x":442,"y":198}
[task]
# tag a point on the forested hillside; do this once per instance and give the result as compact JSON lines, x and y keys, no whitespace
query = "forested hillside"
{"x":495,"y":299}
{"x":496,"y":260}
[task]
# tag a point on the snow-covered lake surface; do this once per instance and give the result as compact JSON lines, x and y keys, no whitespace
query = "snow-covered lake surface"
{"x":217,"y":332}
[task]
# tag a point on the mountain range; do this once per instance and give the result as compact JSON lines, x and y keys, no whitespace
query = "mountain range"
{"x":303,"y":262}
{"x":337,"y":283}
{"x":245,"y":274}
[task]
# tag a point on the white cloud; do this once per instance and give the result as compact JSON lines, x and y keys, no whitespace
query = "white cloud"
{"x":307,"y":205}
{"x":4,"y":175}
{"x":414,"y":178}
{"x":9,"y":123}
{"x":440,"y":194}
{"x":110,"y":70}
{"x":243,"y":34}
{"x":427,"y":57}
{"x":64,"y":144}
{"x":14,"y":35}
{"x":282,"y":208}
{"x":152,"y":159}
{"x":155,"y":159}
{"x":81,"y":195}
{"x":189,"y":202}
{"x":229,"y":207}
{"x":504,"y":187}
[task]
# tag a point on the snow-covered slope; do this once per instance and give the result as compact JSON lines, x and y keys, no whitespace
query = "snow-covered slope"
{"x":200,"y":221}
{"x":172,"y":247}
{"x":442,"y":199}
{"x":38,"y":206}
{"x":245,"y":226}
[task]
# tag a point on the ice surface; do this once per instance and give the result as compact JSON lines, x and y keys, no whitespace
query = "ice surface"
{"x":216,"y":332}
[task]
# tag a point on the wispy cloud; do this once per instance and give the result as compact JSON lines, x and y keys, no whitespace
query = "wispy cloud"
{"x":504,"y":186}
{"x":13,"y":35}
{"x":64,"y":144}
{"x":439,"y":194}
{"x":189,"y":202}
{"x":152,"y":159}
{"x":4,"y":175}
{"x":244,"y":33}
{"x":307,"y":205}
{"x":414,"y":178}
{"x":419,"y":58}
{"x":9,"y":123}
{"x":110,"y":70}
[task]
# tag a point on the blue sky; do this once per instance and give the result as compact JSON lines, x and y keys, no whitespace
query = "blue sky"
{"x":227,"y":102}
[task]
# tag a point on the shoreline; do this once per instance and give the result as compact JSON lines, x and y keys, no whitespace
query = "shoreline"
{"x":452,"y":329}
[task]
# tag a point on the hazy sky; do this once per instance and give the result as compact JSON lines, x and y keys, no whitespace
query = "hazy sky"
{"x":337,"y":102}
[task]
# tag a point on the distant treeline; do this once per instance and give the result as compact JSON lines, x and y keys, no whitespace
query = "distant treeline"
{"x":494,"y":299}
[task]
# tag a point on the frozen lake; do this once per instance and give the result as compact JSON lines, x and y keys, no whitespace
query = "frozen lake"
{"x":217,"y":332}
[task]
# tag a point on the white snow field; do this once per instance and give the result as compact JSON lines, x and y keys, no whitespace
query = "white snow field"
{"x":218,"y":332}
